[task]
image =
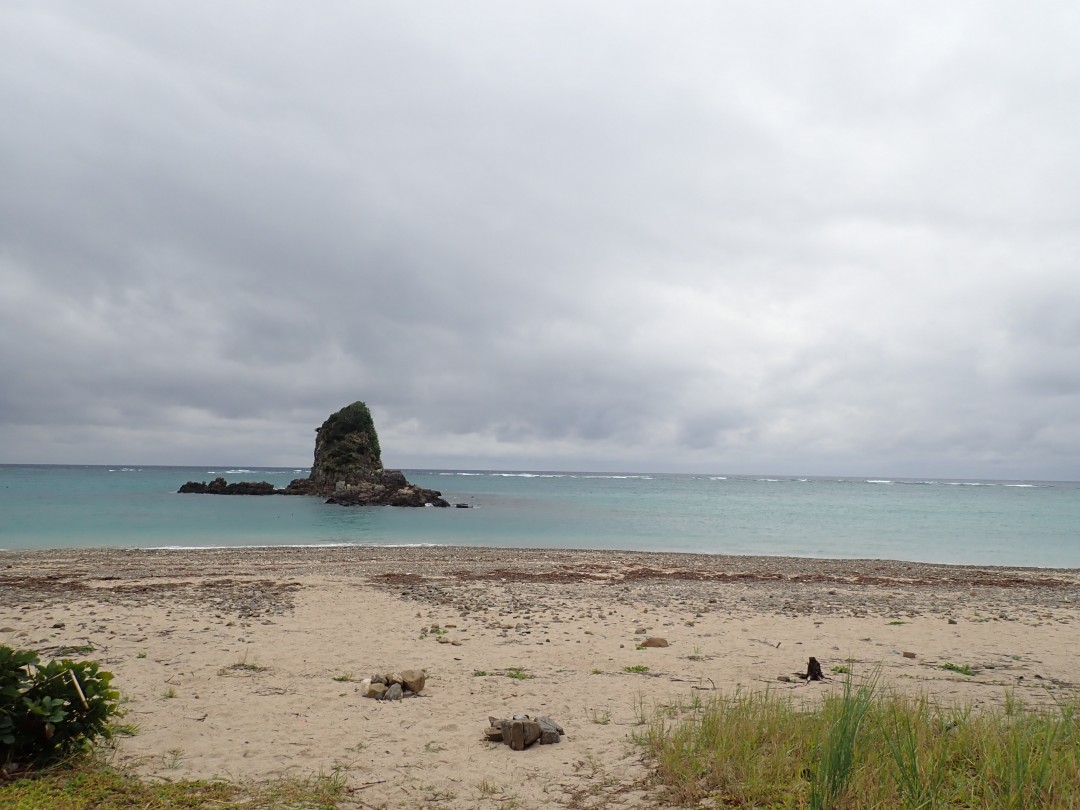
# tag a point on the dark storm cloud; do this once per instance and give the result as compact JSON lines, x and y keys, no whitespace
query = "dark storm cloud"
{"x":757,"y":236}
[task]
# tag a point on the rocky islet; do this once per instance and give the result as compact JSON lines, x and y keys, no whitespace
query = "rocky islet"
{"x":347,"y":469}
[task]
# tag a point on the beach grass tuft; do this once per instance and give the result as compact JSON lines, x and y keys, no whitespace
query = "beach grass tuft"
{"x":834,"y":758}
{"x":865,"y":747}
{"x":90,"y":783}
{"x":600,"y":717}
{"x":961,"y":669}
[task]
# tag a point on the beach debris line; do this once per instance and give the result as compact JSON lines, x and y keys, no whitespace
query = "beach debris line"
{"x":521,"y":731}
{"x":394,"y":685}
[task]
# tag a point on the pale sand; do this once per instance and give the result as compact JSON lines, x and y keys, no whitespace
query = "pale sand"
{"x":199,"y":622}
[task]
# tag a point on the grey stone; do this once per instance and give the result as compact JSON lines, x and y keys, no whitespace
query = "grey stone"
{"x":550,"y":731}
{"x":413,"y":679}
{"x":393,"y":693}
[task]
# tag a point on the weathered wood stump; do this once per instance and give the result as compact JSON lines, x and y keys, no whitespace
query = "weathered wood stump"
{"x":813,"y":671}
{"x":521,"y":731}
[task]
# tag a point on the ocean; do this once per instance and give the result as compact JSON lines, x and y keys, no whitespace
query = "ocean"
{"x":1015,"y":523}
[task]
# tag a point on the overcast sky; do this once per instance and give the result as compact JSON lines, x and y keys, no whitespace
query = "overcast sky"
{"x":803,"y":238}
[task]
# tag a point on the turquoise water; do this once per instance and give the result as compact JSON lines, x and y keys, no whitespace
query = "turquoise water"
{"x":947,"y":520}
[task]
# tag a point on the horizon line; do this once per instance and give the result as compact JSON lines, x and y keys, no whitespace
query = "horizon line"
{"x":794,"y":476}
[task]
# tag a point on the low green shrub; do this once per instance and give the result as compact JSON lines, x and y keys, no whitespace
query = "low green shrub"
{"x":51,"y":711}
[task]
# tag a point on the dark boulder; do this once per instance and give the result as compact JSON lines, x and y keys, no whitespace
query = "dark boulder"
{"x":415,"y":496}
{"x":392,"y":479}
{"x":377,"y":494}
{"x":220,"y":487}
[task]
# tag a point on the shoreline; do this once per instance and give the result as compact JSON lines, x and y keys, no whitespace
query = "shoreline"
{"x":529,"y":553}
{"x":244,"y":663}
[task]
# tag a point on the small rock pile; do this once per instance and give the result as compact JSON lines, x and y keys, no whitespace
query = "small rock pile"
{"x":521,"y":731}
{"x":393,"y":685}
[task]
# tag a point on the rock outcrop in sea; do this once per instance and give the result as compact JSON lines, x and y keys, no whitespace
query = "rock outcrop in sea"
{"x":347,"y":469}
{"x":219,"y":486}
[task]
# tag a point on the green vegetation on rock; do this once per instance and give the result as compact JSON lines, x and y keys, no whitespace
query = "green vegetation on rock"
{"x":347,"y":447}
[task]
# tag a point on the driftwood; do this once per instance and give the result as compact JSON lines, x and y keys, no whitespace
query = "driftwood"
{"x":521,"y":731}
{"x":813,"y":671}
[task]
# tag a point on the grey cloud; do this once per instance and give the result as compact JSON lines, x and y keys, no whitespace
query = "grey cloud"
{"x":740,"y":237}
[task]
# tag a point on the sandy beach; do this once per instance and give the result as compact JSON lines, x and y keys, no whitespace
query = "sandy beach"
{"x":246,"y":663}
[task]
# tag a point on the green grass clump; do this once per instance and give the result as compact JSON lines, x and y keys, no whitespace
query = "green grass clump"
{"x":518,"y":674}
{"x":91,"y":784}
{"x":739,"y":750}
{"x":640,"y":669}
{"x":865,"y":747}
{"x":834,"y":758}
{"x":962,"y":669}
